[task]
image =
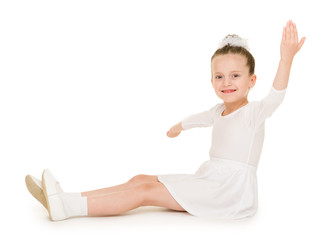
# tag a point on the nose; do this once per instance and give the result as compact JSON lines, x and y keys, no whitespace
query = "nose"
{"x":227,"y":82}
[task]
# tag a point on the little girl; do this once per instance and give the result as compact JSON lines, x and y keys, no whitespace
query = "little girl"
{"x":223,"y":187}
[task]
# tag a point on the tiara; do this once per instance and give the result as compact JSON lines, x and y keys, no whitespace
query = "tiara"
{"x":235,"y":41}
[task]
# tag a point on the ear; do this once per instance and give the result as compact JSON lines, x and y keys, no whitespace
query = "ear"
{"x":253,"y":80}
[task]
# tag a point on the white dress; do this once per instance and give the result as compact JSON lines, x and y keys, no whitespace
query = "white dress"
{"x":226,"y":185}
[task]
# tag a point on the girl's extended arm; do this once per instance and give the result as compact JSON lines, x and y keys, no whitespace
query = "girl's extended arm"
{"x":201,"y":119}
{"x":288,"y":48}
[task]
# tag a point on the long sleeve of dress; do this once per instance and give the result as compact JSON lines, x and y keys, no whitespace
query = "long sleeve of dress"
{"x":202,"y":119}
{"x":267,"y":106}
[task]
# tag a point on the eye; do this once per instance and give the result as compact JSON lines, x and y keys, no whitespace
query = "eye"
{"x":219,"y":77}
{"x":236,"y":75}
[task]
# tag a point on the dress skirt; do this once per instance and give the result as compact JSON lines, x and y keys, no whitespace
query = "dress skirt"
{"x":220,"y":188}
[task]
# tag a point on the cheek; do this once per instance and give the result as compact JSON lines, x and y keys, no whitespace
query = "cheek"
{"x":216,"y":88}
{"x":244,"y":84}
{"x":215,"y":85}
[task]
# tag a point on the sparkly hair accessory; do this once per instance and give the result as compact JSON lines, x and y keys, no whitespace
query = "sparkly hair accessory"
{"x":235,"y":41}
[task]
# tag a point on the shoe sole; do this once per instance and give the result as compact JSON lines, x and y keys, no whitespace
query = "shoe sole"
{"x":35,"y":190}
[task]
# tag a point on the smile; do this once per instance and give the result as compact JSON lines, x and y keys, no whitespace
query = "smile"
{"x":227,"y":91}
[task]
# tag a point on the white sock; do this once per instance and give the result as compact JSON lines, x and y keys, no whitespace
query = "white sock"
{"x":74,"y":204}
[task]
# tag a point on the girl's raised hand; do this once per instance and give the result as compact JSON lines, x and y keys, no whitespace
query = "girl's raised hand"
{"x":290,"y":44}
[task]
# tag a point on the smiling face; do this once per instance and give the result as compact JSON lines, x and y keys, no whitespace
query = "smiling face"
{"x":231,"y":79}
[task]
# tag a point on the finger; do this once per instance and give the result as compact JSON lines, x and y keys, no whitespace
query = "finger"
{"x":295,"y":37}
{"x":288,"y":29}
{"x":299,"y":46}
{"x":295,"y":33}
{"x":284,"y":34}
{"x":292,"y":32}
{"x":292,"y":29}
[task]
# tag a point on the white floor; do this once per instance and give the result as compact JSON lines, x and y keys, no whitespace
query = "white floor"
{"x":146,"y":222}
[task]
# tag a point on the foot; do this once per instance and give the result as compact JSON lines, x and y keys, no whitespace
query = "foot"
{"x":34,"y":186}
{"x":52,"y":193}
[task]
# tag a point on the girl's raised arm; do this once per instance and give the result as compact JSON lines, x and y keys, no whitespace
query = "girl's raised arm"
{"x":288,"y":48}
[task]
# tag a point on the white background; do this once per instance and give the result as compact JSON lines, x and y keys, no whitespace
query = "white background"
{"x":89,"y":89}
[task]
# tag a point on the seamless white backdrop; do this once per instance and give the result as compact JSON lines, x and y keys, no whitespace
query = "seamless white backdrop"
{"x":89,"y":89}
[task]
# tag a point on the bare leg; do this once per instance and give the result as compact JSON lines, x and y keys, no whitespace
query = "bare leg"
{"x":135,"y":181}
{"x":147,"y":194}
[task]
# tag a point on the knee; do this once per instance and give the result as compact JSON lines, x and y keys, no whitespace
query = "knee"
{"x":138,"y":179}
{"x":148,"y":187}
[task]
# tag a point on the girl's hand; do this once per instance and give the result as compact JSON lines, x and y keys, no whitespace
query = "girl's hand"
{"x":290,"y":45}
{"x":171,"y":133}
{"x":175,"y":130}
